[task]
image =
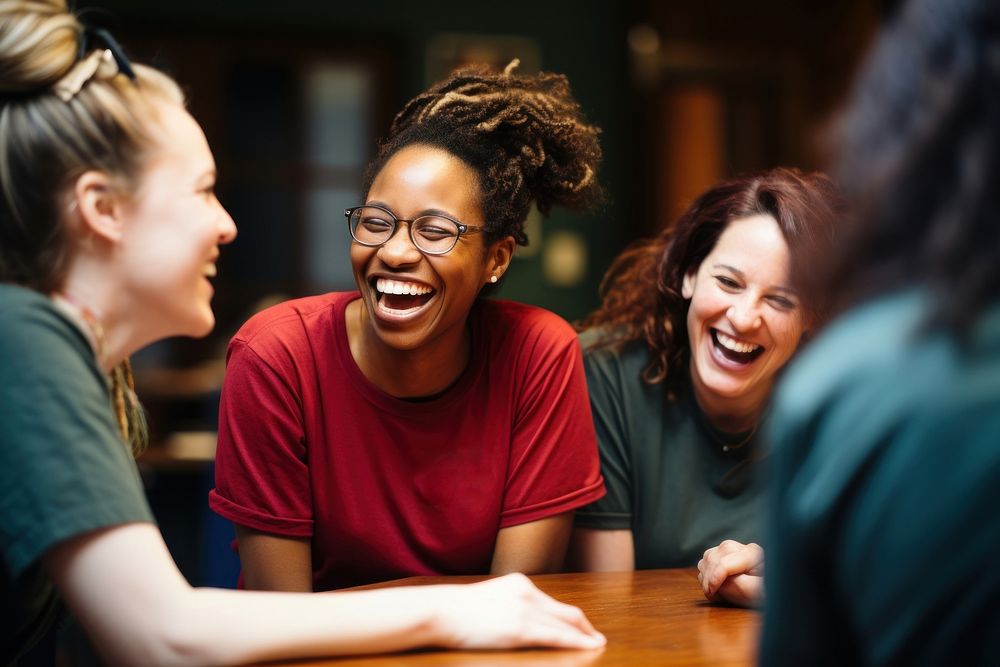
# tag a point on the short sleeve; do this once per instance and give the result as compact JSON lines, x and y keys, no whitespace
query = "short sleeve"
{"x":554,"y":465}
{"x":604,"y":380}
{"x":64,"y":470}
{"x":261,"y":470}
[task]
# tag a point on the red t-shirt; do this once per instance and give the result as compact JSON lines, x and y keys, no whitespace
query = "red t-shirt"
{"x":385,"y":487}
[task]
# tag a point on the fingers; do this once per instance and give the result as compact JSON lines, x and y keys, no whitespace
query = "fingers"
{"x":535,"y":618}
{"x":728,"y":559}
{"x":565,"y":629}
{"x":745,"y":590}
{"x":572,"y":616}
{"x":558,"y":637}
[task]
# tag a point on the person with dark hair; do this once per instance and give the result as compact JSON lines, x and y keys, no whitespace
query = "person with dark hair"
{"x":109,"y":234}
{"x":414,"y":427}
{"x":681,"y":357}
{"x":886,"y":472}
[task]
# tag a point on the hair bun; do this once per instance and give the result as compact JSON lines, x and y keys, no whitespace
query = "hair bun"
{"x":38,"y":43}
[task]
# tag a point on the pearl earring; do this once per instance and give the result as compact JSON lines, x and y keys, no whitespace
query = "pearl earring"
{"x":493,"y":279}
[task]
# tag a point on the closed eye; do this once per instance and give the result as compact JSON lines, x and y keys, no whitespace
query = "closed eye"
{"x":430,"y":232}
{"x":782,"y":302}
{"x":375,"y":224}
{"x":727,"y":282}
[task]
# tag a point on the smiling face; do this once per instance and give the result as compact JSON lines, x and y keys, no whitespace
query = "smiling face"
{"x":411,"y":299}
{"x":172,"y":228}
{"x":743,"y":321}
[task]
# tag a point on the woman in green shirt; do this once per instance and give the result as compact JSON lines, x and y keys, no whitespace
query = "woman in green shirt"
{"x":109,"y":234}
{"x":680,"y":358}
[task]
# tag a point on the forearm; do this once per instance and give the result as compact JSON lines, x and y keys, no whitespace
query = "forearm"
{"x":538,"y":547}
{"x":211,"y":626}
{"x":126,"y":591}
{"x":273,"y":562}
{"x":595,"y":550}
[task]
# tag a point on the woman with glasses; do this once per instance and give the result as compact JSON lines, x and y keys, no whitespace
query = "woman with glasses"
{"x":414,"y":427}
{"x":109,"y":234}
{"x":681,"y":358}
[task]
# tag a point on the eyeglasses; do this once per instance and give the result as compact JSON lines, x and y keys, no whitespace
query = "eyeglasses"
{"x":432,"y":234}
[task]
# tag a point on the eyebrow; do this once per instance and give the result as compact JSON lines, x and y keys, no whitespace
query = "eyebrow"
{"x":776,"y":288}
{"x":425,"y":212}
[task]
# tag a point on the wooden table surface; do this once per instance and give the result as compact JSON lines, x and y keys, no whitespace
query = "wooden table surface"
{"x":651,"y":617}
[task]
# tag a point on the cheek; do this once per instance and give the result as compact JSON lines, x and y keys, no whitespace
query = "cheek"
{"x":787,"y":331}
{"x":461,"y":273}
{"x":706,"y":304}
{"x":360,"y":256}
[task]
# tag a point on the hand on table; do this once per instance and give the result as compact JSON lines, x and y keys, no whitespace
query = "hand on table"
{"x":733,"y":572}
{"x":510,"y":612}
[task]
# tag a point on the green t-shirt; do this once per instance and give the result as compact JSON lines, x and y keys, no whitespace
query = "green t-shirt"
{"x":64,"y":470}
{"x":668,"y":477}
{"x":883,"y":531}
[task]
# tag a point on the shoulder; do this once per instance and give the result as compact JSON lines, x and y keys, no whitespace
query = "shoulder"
{"x":875,"y":377}
{"x":603,"y":356}
{"x":862,"y":352}
{"x":34,"y":336}
{"x":20,"y":306}
{"x":523,"y":325}
{"x":49,"y":377}
{"x":292,"y":322}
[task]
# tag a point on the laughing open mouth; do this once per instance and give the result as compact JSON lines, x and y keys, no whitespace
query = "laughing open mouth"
{"x":399,"y":296}
{"x":735,"y":350}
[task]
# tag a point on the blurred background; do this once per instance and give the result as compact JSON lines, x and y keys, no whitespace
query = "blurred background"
{"x":294,"y":94}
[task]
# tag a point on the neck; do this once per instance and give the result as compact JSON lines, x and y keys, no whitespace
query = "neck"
{"x":95,"y":301}
{"x":425,"y":371}
{"x":731,"y":415}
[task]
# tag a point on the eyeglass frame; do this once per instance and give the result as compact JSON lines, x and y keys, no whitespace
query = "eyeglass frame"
{"x":462,"y":228}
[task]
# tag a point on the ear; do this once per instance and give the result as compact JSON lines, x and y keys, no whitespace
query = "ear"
{"x":99,"y":206}
{"x":498,"y":256}
{"x":687,"y":286}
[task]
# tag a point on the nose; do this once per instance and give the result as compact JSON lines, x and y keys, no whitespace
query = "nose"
{"x":745,"y":314}
{"x":399,"y":249}
{"x":227,"y":226}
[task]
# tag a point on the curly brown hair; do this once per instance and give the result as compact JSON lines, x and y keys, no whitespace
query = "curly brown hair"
{"x":804,"y":205}
{"x":524,"y":136}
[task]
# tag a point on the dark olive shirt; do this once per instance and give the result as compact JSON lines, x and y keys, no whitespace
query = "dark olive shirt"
{"x":64,"y":470}
{"x":884,"y":527}
{"x":668,"y":477}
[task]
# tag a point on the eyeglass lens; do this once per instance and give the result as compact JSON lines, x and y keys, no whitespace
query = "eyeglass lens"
{"x":373,"y":226}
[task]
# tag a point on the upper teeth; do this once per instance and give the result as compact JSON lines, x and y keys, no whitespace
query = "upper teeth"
{"x":736,"y":346}
{"x":386,"y":286}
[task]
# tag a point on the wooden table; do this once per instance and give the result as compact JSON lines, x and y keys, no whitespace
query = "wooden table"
{"x":652,"y":617}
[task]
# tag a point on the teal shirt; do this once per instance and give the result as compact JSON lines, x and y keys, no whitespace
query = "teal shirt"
{"x":884,"y":531}
{"x":667,"y":476}
{"x":64,"y":470}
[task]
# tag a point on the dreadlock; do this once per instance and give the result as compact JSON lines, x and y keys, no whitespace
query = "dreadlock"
{"x":524,"y":136}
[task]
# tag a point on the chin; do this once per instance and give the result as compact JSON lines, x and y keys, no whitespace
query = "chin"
{"x":399,"y":340}
{"x":199,"y":326}
{"x":725,"y":387}
{"x":205,"y":328}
